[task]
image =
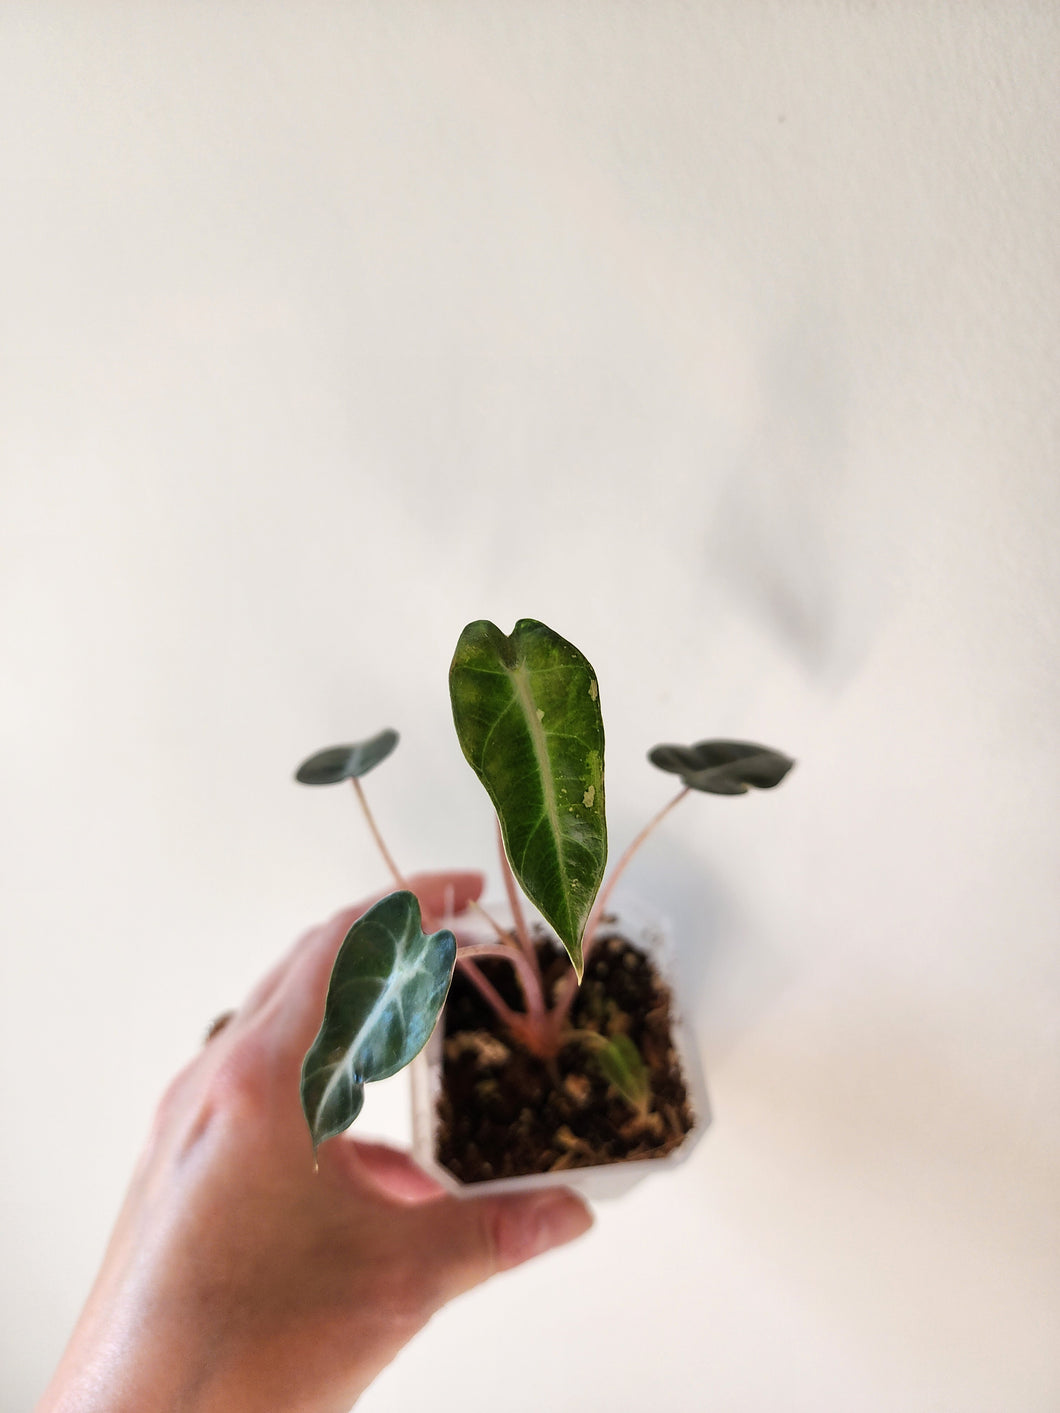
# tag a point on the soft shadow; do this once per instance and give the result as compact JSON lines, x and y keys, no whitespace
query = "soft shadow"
{"x":802,"y":528}
{"x":727,"y":977}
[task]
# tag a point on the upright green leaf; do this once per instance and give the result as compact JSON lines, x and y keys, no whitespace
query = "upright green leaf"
{"x":623,"y":1067}
{"x":387,"y":987}
{"x":527,"y":712}
{"x":723,"y":767}
{"x":337,"y":763}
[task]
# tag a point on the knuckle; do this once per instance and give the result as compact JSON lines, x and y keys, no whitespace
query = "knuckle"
{"x":174,"y":1097}
{"x":519,"y":1229}
{"x":241,"y":1081}
{"x":506,"y":1236}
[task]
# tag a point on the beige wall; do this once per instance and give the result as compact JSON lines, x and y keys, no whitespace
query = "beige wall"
{"x":721,"y":336}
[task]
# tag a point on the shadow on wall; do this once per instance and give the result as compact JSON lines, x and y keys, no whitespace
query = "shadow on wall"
{"x":726,"y":976}
{"x":802,"y":529}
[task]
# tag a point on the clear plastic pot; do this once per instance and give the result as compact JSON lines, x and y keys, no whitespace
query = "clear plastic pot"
{"x":649,"y":933}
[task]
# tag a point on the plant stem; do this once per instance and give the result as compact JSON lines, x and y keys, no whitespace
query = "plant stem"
{"x":428,"y":919}
{"x":526,"y":967}
{"x":601,"y":902}
{"x":531,"y":987}
{"x":518,"y":918}
{"x":505,"y":938}
{"x":536,"y":1028}
{"x":391,"y":865}
{"x":489,"y":992}
{"x":561,"y":1010}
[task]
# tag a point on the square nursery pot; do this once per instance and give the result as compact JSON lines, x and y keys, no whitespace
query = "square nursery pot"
{"x":649,"y":935}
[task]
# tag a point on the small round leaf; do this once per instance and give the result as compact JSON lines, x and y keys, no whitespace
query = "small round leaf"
{"x":337,"y":763}
{"x":723,"y":767}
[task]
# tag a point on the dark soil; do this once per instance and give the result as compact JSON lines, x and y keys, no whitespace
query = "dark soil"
{"x":503,"y":1112}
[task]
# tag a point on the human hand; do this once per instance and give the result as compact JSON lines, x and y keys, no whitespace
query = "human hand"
{"x":237,"y":1277}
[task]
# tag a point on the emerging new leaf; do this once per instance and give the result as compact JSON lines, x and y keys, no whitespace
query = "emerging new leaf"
{"x":623,"y":1067}
{"x":723,"y":767}
{"x":527,"y":713}
{"x":337,"y":763}
{"x":387,"y":987}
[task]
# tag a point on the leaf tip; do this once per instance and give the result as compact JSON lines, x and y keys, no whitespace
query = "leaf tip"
{"x":577,"y":957}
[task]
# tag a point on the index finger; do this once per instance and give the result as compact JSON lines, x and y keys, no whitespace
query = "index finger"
{"x":298,"y":1002}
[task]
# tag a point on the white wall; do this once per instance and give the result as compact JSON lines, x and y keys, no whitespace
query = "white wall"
{"x":723,"y":337}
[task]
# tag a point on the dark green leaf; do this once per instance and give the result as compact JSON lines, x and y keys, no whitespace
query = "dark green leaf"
{"x":387,"y":987}
{"x":723,"y":767}
{"x":623,"y":1067}
{"x":337,"y":763}
{"x":527,"y":713}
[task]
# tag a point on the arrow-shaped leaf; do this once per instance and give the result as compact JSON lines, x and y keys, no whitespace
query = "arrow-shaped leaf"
{"x":387,"y":987}
{"x":723,"y":767}
{"x":527,"y":713}
{"x":337,"y":763}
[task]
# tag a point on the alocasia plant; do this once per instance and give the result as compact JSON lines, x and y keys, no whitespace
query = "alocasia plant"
{"x":526,"y":707}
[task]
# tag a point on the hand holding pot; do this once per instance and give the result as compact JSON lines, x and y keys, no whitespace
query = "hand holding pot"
{"x":237,"y":1278}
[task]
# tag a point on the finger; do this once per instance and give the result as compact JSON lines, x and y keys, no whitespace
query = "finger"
{"x":395,"y":1173}
{"x":297,"y":1004}
{"x":448,"y":894}
{"x":267,"y":987}
{"x":302,"y":979}
{"x":375,"y":1170}
{"x":441,"y":894}
{"x":464,"y":1241}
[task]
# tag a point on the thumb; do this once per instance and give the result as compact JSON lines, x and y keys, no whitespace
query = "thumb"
{"x":467,"y":1240}
{"x":447,"y":894}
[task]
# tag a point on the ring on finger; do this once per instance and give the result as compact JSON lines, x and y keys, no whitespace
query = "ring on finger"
{"x":217,"y":1025}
